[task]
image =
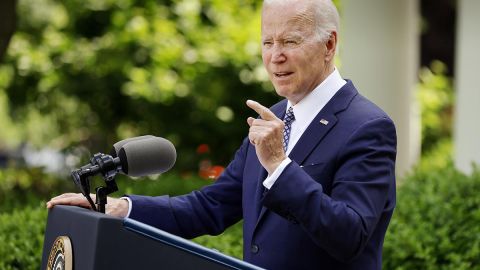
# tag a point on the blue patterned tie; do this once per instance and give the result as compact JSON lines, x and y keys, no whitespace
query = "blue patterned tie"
{"x":287,"y":120}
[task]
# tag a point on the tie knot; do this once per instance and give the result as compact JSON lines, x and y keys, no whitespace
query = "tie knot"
{"x":289,"y":116}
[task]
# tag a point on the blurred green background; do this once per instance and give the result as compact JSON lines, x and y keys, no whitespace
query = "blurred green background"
{"x":84,"y":74}
{"x":81,"y":75}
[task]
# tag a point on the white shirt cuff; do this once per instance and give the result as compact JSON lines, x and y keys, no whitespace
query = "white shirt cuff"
{"x":270,"y":180}
{"x":129,"y":205}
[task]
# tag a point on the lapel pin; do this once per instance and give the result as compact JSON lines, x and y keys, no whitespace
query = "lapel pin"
{"x":323,"y":121}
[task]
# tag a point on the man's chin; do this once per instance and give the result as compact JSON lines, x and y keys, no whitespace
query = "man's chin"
{"x":282,"y":91}
{"x":286,"y":92}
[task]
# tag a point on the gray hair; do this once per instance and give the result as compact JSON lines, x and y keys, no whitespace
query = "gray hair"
{"x":323,"y":12}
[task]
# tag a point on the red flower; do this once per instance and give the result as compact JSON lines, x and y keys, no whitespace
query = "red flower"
{"x":203,"y":148}
{"x":211,"y":172}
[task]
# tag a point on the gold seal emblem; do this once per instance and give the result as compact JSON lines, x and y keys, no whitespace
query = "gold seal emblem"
{"x":61,"y":255}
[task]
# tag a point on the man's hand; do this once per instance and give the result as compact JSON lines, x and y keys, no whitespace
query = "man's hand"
{"x":115,"y":207}
{"x":266,"y":134}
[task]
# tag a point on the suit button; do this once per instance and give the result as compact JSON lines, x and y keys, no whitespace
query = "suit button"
{"x":254,"y":249}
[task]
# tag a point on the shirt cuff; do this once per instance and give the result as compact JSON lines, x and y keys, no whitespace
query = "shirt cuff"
{"x":129,"y":205}
{"x":270,"y":180}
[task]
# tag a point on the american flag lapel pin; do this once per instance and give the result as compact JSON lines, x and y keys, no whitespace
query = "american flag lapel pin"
{"x":323,"y":121}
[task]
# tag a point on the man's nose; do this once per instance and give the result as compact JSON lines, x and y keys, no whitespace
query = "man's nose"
{"x":278,"y":54}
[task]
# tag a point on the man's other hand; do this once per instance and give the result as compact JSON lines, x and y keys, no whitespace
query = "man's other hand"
{"x":115,"y":207}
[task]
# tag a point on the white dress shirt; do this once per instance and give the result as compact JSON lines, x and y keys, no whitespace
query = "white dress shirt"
{"x":305,"y":111}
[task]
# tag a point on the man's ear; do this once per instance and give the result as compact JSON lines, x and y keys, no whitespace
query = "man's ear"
{"x":331,"y":46}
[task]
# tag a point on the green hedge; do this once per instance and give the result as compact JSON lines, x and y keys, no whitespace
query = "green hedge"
{"x":437,"y":222}
{"x":229,"y":242}
{"x":21,"y":238}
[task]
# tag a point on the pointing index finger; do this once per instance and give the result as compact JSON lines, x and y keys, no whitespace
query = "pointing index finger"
{"x":263,"y":111}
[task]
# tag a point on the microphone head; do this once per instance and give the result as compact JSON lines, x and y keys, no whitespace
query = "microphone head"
{"x":118,"y":145}
{"x":146,"y":156}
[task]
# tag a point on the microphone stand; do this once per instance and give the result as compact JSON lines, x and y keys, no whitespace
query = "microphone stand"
{"x":108,"y":167}
{"x":103,"y":191}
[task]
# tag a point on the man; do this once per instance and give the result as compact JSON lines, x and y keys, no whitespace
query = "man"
{"x":316,"y":190}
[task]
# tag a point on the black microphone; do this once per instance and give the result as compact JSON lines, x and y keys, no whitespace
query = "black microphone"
{"x":146,"y":156}
{"x":138,"y":156}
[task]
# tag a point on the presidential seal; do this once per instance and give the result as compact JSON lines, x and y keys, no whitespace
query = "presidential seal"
{"x":61,"y":255}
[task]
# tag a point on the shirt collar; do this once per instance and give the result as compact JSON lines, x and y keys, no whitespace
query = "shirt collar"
{"x":313,"y":103}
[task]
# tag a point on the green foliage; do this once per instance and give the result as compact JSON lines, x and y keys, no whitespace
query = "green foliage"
{"x":21,"y":238}
{"x":92,"y":72}
{"x":229,"y":242}
{"x":440,"y":156}
{"x":26,"y":187}
{"x":171,"y":184}
{"x":436,"y":99}
{"x":435,"y":225}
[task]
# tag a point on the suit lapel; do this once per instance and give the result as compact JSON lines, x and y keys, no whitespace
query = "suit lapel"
{"x":260,"y":209}
{"x":315,"y":132}
{"x":312,"y":136}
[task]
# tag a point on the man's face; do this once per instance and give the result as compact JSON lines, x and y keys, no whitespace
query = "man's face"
{"x":293,"y":56}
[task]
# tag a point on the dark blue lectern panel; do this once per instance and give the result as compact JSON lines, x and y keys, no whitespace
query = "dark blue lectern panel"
{"x":188,"y":246}
{"x":101,"y":242}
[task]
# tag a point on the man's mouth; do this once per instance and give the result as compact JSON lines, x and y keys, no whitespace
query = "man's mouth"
{"x":282,"y":74}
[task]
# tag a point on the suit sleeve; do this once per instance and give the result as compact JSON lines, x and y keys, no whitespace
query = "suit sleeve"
{"x":342,"y":222}
{"x":209,"y":210}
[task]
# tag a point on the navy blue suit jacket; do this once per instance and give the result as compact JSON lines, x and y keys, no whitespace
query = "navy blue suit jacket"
{"x":329,"y":209}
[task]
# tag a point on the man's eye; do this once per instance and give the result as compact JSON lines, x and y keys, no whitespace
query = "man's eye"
{"x":290,"y":42}
{"x":267,"y":43}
